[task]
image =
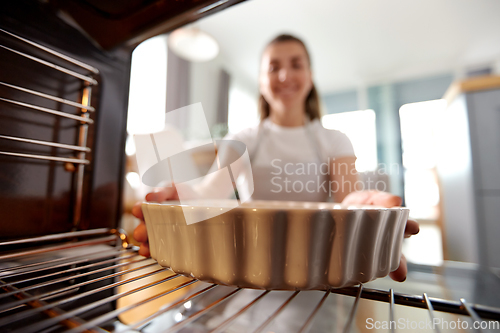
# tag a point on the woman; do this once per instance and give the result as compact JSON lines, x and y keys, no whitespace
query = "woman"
{"x":293,"y":157}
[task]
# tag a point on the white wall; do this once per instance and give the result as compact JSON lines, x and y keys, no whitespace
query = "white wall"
{"x":205,"y":85}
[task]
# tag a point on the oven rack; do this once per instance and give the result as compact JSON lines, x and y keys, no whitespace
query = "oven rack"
{"x":21,"y":298}
{"x":83,"y":106}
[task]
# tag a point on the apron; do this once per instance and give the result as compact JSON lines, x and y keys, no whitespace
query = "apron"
{"x":294,"y":186}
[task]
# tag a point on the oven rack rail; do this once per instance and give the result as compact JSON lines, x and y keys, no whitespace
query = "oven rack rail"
{"x":84,"y":105}
{"x":77,"y":162}
{"x":117,"y":262}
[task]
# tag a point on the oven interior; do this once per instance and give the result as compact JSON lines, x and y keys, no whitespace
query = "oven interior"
{"x":65,"y":265}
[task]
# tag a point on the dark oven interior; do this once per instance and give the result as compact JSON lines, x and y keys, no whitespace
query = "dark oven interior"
{"x":50,"y":196}
{"x":64,"y":265}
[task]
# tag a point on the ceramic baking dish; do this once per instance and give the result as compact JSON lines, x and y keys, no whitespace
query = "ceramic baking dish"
{"x":277,"y":245}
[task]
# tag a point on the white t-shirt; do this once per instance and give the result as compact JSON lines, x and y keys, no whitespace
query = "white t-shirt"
{"x":287,"y":160}
{"x":293,"y":143}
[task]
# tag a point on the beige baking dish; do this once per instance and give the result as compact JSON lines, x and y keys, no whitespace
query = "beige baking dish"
{"x":277,"y":245}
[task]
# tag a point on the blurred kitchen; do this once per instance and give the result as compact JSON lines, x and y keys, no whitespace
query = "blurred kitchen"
{"x":414,"y":84}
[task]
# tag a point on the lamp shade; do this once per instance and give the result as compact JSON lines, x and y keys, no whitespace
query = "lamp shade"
{"x":192,"y":44}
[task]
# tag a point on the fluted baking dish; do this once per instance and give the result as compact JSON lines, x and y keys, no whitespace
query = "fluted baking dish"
{"x":277,"y":245}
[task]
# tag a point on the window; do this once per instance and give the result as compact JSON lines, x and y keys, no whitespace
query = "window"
{"x":146,"y":107}
{"x":419,"y":157}
{"x":148,"y":87}
{"x":418,"y":131}
{"x":359,"y":126}
{"x":242,"y":110}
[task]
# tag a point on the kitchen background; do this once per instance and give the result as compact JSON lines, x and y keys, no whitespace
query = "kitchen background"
{"x":382,"y":68}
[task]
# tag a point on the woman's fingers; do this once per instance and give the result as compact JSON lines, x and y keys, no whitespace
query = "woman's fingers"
{"x":399,"y":274}
{"x":372,"y":197}
{"x":412,"y":228}
{"x":385,"y":199}
{"x":144,"y":250}
{"x":163,"y":194}
{"x":141,"y":233}
{"x":137,"y":211}
{"x":166,"y":193}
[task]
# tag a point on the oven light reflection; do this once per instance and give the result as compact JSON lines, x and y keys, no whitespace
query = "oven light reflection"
{"x":134,"y":180}
{"x":130,"y":146}
{"x":178,"y":317}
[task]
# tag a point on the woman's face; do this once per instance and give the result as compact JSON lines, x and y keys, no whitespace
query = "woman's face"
{"x":285,"y":76}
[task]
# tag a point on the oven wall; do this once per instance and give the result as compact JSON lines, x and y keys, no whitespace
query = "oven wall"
{"x":36,"y":196}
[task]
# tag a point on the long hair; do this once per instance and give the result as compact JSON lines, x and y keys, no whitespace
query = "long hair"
{"x":313,"y":109}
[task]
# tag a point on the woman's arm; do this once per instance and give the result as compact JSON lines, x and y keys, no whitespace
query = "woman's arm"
{"x":343,"y":177}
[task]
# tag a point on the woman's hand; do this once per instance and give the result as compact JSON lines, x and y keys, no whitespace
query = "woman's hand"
{"x":388,"y":200}
{"x":140,"y":233}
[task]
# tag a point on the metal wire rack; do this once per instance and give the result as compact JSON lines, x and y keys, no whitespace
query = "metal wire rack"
{"x":48,"y":288}
{"x":83,"y":106}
